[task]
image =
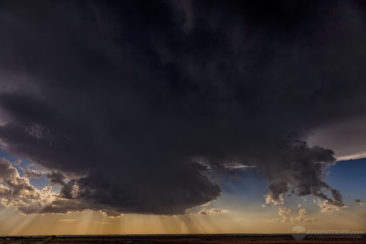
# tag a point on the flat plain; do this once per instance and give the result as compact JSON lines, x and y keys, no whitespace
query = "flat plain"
{"x":210,"y":238}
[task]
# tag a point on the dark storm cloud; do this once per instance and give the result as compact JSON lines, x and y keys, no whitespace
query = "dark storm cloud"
{"x":56,"y":178}
{"x":138,"y":103}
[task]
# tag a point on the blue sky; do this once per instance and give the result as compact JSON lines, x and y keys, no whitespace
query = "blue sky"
{"x":349,"y":177}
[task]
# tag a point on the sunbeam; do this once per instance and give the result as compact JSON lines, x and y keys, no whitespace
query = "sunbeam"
{"x":181,"y":117}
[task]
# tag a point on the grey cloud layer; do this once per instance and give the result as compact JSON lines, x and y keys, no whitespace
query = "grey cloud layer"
{"x":123,"y":97}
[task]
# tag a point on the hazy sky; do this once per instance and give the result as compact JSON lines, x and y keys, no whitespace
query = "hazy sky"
{"x":182,"y":116}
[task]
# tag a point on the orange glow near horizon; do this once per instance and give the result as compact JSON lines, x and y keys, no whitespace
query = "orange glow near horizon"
{"x":95,"y":223}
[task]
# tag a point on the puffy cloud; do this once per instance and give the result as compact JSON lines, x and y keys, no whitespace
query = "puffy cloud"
{"x":284,"y":213}
{"x":278,"y":200}
{"x":56,"y":178}
{"x":212,"y":211}
{"x":18,"y":192}
{"x":122,"y":102}
{"x":328,"y":207}
{"x":303,"y":216}
{"x":32,"y":173}
{"x":287,"y":216}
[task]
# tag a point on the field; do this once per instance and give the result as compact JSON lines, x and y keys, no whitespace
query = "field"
{"x":229,"y":238}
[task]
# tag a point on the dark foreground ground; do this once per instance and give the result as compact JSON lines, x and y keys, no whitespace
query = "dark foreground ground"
{"x":232,"y":238}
